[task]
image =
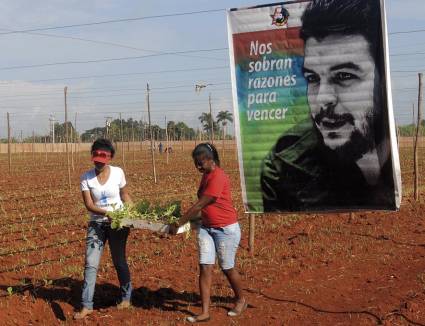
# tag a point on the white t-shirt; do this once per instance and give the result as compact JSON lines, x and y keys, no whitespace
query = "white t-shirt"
{"x":106,"y":196}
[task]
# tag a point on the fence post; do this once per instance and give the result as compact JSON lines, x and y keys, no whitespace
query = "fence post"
{"x":65,"y":90}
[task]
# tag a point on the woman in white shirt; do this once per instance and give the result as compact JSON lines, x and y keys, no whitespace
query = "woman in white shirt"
{"x":104,"y":190}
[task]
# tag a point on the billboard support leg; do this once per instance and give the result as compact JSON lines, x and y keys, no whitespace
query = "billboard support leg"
{"x":251,"y":233}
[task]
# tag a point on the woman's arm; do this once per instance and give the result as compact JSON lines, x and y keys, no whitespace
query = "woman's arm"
{"x":193,"y":211}
{"x":91,"y":207}
{"x":125,"y":197}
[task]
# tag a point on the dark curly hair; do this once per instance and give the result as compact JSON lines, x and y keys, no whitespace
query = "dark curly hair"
{"x":208,"y":150}
{"x":328,"y":17}
{"x":103,"y":144}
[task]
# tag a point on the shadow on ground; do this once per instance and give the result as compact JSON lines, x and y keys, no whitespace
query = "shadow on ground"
{"x":107,"y":295}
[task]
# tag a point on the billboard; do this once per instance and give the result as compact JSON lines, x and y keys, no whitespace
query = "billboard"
{"x":313,"y":109}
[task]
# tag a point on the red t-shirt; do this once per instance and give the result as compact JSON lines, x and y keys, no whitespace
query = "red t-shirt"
{"x":220,"y":213}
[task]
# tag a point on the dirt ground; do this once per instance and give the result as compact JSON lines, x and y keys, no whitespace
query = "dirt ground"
{"x":317,"y":269}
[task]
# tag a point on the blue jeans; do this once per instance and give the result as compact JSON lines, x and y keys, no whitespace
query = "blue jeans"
{"x":222,"y":241}
{"x":97,"y":236}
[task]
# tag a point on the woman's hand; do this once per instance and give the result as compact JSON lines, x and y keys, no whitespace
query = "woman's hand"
{"x":173,"y":228}
{"x":108,"y":217}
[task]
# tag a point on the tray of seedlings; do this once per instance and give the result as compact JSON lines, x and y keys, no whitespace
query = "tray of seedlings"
{"x":150,"y":216}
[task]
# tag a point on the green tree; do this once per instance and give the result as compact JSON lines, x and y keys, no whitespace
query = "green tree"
{"x":60,"y":132}
{"x":224,"y":117}
{"x":207,"y":121}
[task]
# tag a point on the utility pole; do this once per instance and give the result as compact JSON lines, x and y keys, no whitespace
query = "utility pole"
{"x":413,"y":125}
{"x":420,"y":102}
{"x":8,"y":143}
{"x":65,"y":91}
{"x":198,"y":88}
{"x":150,"y":131}
{"x":107,"y":126}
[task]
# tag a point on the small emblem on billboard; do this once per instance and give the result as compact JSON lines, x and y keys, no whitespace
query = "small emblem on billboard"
{"x":280,"y":17}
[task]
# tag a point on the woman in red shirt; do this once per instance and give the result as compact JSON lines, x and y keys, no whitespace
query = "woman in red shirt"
{"x":219,"y":233}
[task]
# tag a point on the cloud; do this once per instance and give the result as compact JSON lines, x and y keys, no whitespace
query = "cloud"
{"x":31,"y":104}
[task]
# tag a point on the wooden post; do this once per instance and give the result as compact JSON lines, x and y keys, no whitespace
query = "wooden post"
{"x":122,"y":143}
{"x":9,"y":153}
{"x":132,"y":146}
{"x":251,"y":233}
{"x":128,"y":141}
{"x":33,"y":147}
{"x":75,"y":141}
{"x":65,"y":90}
{"x":79,"y":148}
{"x":413,"y":127}
{"x":166,"y":136}
{"x":22,"y":146}
{"x":142,"y":132}
{"x":212,"y":120}
{"x":151,"y":134}
{"x":398,"y":136}
{"x":418,"y":127}
{"x":72,"y":149}
{"x":224,"y":139}
{"x":45,"y":148}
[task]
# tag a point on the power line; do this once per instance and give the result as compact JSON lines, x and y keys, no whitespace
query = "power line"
{"x":114,"y":44}
{"x":402,"y":71}
{"x":132,"y":19}
{"x":95,"y":105}
{"x":407,"y":32}
{"x":123,"y":74}
{"x":112,"y":21}
{"x":89,"y":90}
{"x":150,"y":56}
{"x":408,"y":53}
{"x":112,"y":59}
{"x":5,"y":105}
{"x":157,"y":91}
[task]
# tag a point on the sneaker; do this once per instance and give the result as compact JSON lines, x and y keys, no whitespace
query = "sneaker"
{"x":125,"y":304}
{"x":83,"y":313}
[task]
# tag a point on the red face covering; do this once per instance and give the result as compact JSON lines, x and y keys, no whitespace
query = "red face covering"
{"x":101,"y":156}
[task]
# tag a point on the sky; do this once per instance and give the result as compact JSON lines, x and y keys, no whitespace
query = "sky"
{"x":31,"y":88}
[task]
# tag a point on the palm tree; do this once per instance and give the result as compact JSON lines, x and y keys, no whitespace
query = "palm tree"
{"x":207,"y":121}
{"x":224,"y":117}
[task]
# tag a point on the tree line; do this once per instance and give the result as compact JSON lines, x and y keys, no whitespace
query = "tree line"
{"x":410,"y":130}
{"x":137,"y":130}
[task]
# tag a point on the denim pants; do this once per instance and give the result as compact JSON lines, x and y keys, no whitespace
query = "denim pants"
{"x":97,"y":236}
{"x":222,"y":241}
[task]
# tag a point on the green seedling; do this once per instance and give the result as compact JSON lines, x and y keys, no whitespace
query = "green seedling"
{"x":144,"y":210}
